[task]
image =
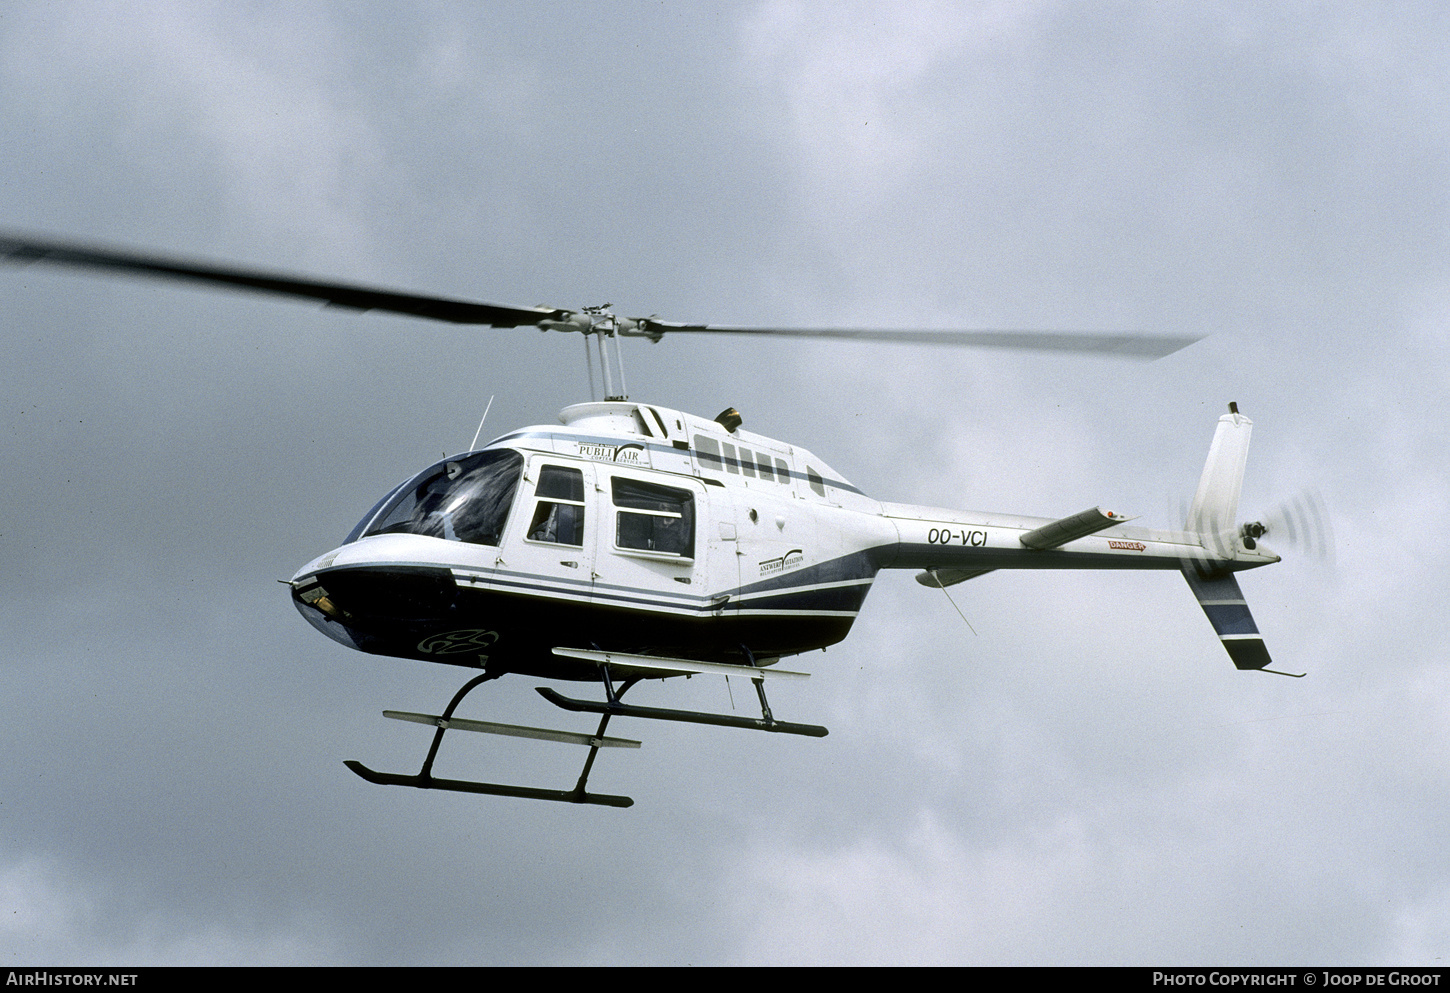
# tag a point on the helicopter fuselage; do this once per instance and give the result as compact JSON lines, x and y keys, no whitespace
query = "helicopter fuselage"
{"x":634,"y":528}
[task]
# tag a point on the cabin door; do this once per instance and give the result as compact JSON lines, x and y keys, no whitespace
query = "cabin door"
{"x":652,"y":549}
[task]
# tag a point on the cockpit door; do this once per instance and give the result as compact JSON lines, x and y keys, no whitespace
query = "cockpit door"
{"x":548,"y":551}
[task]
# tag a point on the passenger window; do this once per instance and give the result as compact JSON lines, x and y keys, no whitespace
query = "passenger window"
{"x":782,"y":471}
{"x":654,"y":518}
{"x":709,"y":453}
{"x":747,"y":462}
{"x":559,"y":514}
{"x":730,"y":462}
{"x":815,"y":480}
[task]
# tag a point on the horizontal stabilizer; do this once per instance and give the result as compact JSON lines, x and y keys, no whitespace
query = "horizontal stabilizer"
{"x":1222,"y":600}
{"x":653,"y":663}
{"x":1079,"y":525}
{"x":512,"y":730}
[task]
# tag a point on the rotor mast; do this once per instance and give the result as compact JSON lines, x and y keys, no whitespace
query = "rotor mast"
{"x":607,"y":328}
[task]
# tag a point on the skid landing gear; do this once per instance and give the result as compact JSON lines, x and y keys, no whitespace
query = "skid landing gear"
{"x":425,"y":779}
{"x":632,"y":669}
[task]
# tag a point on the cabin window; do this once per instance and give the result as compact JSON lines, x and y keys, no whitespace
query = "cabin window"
{"x":652,"y":518}
{"x":730,"y":462}
{"x":814,"y":478}
{"x":747,"y":462}
{"x":559,"y":514}
{"x":708,"y":452}
{"x":782,"y":471}
{"x":462,"y":499}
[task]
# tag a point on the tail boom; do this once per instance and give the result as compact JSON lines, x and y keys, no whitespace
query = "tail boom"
{"x":954,"y":546}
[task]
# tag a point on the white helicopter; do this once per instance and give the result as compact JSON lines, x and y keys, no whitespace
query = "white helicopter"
{"x":631,"y":541}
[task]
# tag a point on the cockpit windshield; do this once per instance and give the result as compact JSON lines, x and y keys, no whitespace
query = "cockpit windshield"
{"x":462,"y":499}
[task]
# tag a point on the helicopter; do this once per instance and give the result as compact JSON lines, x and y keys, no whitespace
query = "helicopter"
{"x":630,"y":541}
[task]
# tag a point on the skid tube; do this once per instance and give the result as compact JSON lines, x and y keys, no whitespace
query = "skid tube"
{"x":425,"y":780}
{"x":612,"y":707}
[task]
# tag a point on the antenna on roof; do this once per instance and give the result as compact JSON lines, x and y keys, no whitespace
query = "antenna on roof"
{"x":474,"y":444}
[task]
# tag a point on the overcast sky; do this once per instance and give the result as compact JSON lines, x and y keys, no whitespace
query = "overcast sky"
{"x":1086,"y":779}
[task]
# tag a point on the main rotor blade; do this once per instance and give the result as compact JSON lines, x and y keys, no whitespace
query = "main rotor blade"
{"x":1146,"y":346}
{"x":23,"y":250}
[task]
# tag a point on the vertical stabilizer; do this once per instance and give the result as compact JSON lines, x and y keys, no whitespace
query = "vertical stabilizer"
{"x":1216,"y":503}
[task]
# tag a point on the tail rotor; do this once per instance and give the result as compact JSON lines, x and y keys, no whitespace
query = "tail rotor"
{"x":1300,"y":523}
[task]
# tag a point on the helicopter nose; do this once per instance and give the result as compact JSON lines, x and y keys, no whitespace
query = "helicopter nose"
{"x":316,"y":605}
{"x":378,"y":593}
